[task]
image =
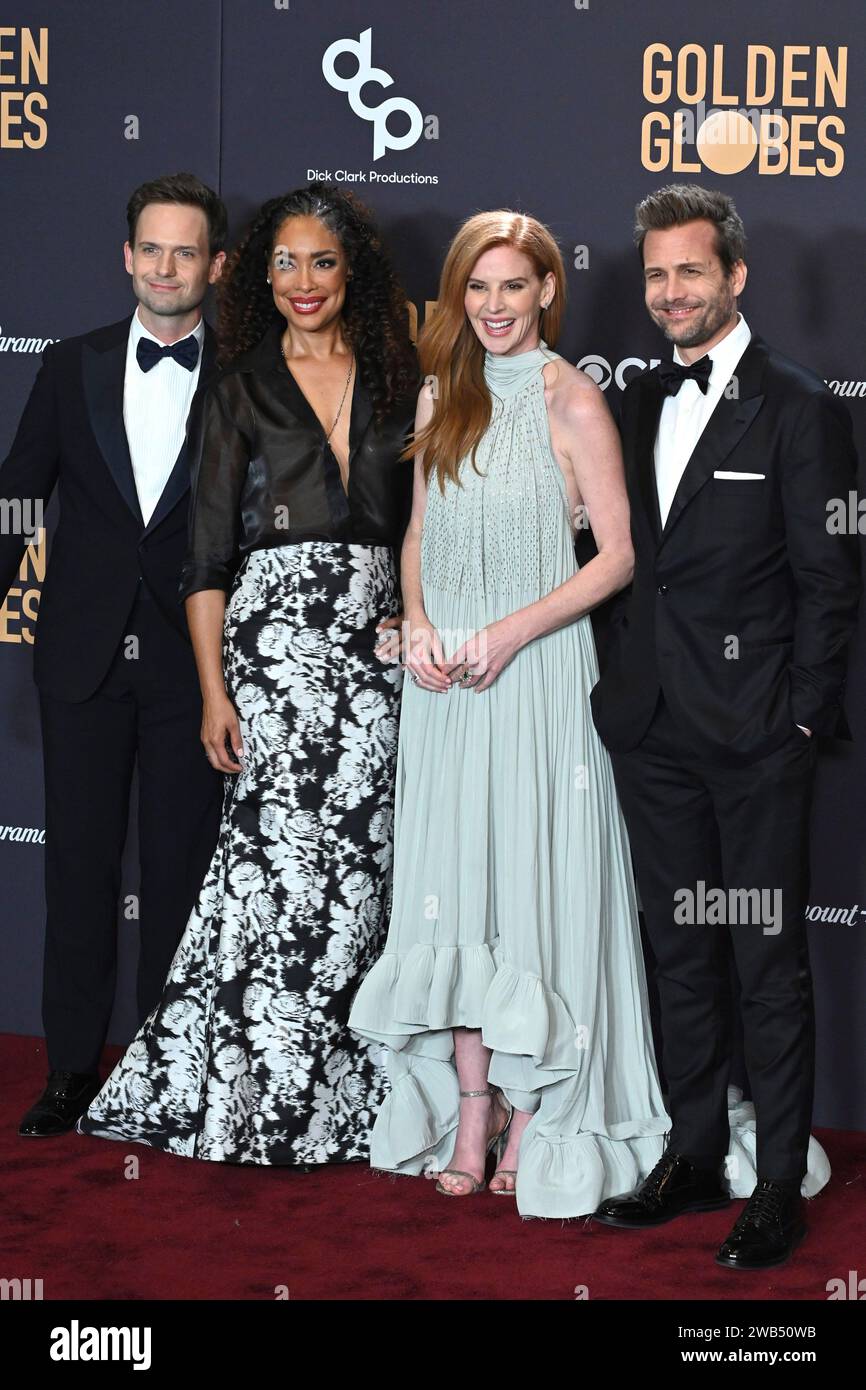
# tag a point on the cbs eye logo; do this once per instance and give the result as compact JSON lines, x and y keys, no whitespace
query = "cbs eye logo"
{"x":602,"y":373}
{"x":383,"y":139}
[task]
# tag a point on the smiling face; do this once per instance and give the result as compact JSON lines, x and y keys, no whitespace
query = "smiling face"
{"x":170,"y":264}
{"x":503,"y":300}
{"x":686,"y":289}
{"x":308,"y":270}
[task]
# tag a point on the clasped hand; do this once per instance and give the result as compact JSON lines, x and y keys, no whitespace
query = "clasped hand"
{"x":478,"y":660}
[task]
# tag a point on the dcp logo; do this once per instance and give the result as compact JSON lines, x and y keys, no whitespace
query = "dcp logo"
{"x":382,"y":138}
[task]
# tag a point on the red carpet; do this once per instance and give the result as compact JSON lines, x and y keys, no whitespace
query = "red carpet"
{"x":186,"y":1229}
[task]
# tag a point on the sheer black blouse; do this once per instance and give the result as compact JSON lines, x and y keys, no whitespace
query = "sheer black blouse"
{"x":263,"y":475}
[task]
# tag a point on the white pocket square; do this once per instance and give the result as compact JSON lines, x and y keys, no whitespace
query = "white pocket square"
{"x":739,"y":477}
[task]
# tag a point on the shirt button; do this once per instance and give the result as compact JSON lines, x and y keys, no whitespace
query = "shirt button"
{"x":663,"y":588}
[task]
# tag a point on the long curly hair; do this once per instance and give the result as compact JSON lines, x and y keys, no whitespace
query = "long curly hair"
{"x":375,"y":317}
{"x":452,"y":356}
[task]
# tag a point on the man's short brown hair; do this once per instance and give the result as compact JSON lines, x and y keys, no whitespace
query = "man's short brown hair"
{"x":187,"y":190}
{"x":677,"y":203}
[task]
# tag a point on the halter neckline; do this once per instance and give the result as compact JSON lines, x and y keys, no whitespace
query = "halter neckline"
{"x":507,"y":374}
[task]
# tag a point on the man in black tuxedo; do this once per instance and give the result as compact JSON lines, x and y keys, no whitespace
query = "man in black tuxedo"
{"x":727,"y":659}
{"x":113,"y":662}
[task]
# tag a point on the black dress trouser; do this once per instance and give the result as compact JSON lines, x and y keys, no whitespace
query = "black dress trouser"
{"x":745,"y":828}
{"x":147,"y":710}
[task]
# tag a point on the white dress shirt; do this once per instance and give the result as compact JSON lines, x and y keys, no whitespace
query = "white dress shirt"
{"x":155,"y":409}
{"x":685,"y":415}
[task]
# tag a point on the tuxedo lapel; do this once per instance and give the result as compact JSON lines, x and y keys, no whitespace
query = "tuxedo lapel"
{"x":177,"y":482}
{"x":649,"y":410}
{"x":103,"y":370}
{"x":724,"y":430}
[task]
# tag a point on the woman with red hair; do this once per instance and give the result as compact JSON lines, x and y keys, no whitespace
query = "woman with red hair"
{"x":511,"y":993}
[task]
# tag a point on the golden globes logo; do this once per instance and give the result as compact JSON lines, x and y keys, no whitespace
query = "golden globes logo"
{"x":21,"y":607}
{"x":23,"y":66}
{"x":726,"y":109}
{"x":412,"y":311}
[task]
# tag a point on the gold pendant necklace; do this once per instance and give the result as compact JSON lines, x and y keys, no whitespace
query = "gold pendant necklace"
{"x":343,"y":397}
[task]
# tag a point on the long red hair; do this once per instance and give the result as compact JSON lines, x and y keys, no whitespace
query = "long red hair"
{"x":451,"y":353}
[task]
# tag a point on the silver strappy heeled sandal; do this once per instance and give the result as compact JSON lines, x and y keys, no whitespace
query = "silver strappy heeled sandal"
{"x":494,"y":1142}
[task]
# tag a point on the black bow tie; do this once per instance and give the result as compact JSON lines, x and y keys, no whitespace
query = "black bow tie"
{"x":672,"y":375}
{"x":148,"y":353}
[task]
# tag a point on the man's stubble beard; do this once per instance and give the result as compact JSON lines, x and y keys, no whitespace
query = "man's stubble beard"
{"x":714,"y":317}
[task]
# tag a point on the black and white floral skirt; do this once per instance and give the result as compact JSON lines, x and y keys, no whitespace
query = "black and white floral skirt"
{"x":247,"y":1057}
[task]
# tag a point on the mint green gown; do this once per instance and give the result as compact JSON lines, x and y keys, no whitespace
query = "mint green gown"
{"x":513,"y":906}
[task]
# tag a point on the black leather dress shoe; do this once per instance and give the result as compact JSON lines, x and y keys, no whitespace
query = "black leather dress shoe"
{"x":673,"y":1187}
{"x":768,"y":1230}
{"x":64,"y":1099}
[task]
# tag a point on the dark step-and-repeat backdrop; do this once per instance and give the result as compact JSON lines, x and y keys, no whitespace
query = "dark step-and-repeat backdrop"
{"x":568,"y":109}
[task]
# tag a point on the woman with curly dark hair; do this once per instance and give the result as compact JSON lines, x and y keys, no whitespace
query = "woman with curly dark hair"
{"x":300,"y":498}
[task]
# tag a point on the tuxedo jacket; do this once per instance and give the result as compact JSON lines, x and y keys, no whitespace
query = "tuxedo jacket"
{"x":743,"y":603}
{"x":72,"y":434}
